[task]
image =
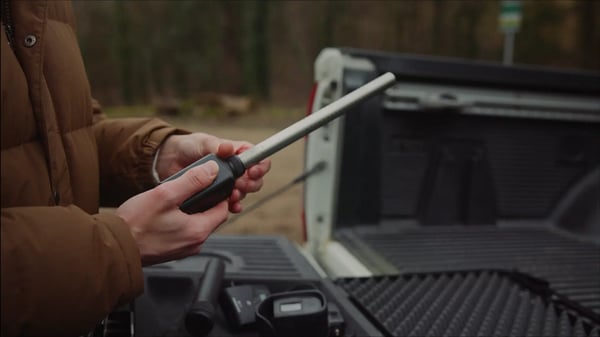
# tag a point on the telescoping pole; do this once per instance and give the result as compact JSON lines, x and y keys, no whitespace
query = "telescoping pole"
{"x":233,"y":167}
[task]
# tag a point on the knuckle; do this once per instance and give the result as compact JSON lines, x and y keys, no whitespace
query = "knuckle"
{"x":253,"y":186}
{"x":244,"y":184}
{"x":163,"y":192}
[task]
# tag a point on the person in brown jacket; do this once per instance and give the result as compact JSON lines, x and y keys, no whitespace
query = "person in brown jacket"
{"x":64,"y":265}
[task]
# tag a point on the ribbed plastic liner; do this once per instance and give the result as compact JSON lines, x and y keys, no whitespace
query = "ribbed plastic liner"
{"x":484,"y":303}
{"x":572,"y":267}
{"x":261,"y":257}
{"x":255,"y":257}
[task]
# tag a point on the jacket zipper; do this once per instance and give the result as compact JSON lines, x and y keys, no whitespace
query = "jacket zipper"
{"x":8,"y":24}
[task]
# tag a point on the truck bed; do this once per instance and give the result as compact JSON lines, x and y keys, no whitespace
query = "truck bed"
{"x":570,"y":266}
{"x":483,"y":303}
{"x":469,"y":193}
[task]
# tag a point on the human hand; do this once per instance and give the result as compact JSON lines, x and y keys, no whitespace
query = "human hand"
{"x":162,"y":231}
{"x":178,"y":151}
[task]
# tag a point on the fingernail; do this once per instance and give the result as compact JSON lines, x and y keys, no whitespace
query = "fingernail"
{"x":212,"y":168}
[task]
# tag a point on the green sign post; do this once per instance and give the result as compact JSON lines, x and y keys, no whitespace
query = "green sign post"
{"x":510,"y":22}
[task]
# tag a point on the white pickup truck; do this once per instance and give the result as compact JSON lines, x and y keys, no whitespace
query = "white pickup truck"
{"x":465,"y":200}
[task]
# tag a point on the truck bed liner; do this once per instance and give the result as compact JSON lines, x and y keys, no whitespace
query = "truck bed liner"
{"x":486,"y":303}
{"x":569,"y":265}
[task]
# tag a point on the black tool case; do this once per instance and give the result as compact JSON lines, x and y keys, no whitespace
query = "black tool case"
{"x":270,"y":261}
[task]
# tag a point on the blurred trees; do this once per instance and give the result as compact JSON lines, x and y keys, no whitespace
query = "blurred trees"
{"x":137,"y":50}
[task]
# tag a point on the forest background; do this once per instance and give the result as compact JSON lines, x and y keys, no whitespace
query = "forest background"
{"x":137,"y":51}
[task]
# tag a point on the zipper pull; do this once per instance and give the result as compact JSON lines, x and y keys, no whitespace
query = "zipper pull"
{"x":7,"y":22}
{"x":9,"y":35}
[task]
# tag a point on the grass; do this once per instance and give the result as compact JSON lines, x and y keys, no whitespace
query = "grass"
{"x":266,"y":115}
{"x":130,"y":111}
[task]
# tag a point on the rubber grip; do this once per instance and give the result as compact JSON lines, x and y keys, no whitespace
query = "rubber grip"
{"x":220,"y":189}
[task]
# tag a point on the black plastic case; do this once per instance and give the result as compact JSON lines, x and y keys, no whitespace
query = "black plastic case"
{"x":273,"y":262}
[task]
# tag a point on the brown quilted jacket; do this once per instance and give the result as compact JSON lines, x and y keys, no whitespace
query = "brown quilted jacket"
{"x":64,"y":266}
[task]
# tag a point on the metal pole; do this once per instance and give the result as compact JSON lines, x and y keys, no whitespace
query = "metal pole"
{"x":302,"y":127}
{"x":509,"y":46}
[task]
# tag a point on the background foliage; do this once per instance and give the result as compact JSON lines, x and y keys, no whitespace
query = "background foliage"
{"x":136,"y":51}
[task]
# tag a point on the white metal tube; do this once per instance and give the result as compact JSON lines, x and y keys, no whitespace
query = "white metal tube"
{"x":309,"y":123}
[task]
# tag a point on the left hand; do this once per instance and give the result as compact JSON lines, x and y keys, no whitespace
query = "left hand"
{"x":178,"y":151}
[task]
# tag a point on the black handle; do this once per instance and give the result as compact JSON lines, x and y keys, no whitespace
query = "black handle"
{"x":220,"y":189}
{"x":199,"y":320}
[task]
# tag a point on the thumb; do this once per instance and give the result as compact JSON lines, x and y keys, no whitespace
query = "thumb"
{"x":193,"y":180}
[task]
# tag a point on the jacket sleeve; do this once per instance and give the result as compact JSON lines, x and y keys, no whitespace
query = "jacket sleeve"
{"x":126,"y":148}
{"x":44,"y":284}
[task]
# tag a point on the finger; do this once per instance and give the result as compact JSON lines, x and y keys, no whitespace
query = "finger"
{"x":225,"y":150}
{"x":194,"y":180}
{"x":210,"y":144}
{"x":194,"y":146}
{"x":241,"y":146}
{"x":246,"y":185}
{"x":259,"y":170}
{"x":236,"y":195}
{"x":235,"y":207}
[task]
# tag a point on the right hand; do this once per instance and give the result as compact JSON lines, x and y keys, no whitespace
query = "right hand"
{"x":162,"y":231}
{"x":178,"y":151}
